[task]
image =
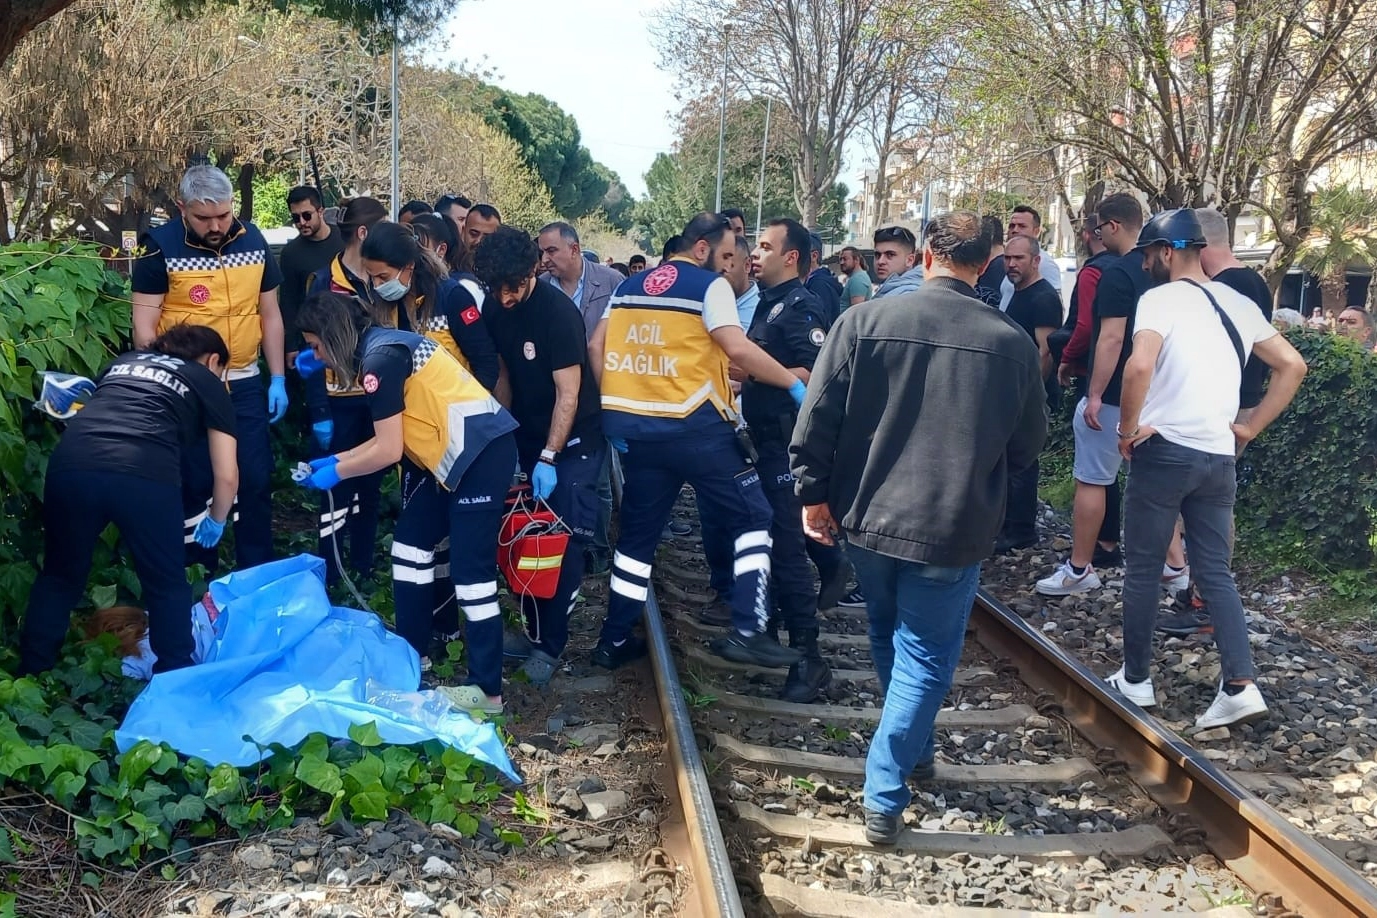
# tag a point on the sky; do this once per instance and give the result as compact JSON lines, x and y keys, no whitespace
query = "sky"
{"x":593,"y":58}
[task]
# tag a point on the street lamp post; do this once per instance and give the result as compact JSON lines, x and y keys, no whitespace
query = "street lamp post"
{"x":396,"y":131}
{"x":722,"y":120}
{"x":764,"y":148}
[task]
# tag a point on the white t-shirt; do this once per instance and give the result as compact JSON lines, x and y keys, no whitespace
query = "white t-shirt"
{"x":1049,"y":270}
{"x":1193,"y":397}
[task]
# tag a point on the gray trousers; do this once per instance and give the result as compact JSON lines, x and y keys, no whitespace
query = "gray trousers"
{"x":1165,"y":480}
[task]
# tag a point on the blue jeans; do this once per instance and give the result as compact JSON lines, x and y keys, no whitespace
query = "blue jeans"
{"x":918,"y":614}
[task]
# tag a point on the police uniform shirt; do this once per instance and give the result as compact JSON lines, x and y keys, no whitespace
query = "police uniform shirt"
{"x":145,"y":408}
{"x":790,"y":325}
{"x":536,"y":337}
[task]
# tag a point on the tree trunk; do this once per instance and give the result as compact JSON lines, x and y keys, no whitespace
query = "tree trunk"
{"x":1293,"y":226}
{"x":18,"y":18}
{"x":1334,"y":289}
{"x":245,"y":183}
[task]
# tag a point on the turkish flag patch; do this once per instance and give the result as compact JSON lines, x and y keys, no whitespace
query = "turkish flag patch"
{"x":470,"y":315}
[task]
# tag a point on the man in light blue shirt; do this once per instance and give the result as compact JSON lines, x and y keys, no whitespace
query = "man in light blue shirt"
{"x":738,"y":274}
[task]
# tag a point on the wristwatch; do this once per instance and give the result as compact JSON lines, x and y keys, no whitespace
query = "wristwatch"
{"x":549,"y":456}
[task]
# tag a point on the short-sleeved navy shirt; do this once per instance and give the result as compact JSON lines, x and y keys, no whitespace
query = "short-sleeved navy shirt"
{"x":383,"y":374}
{"x":145,"y":409}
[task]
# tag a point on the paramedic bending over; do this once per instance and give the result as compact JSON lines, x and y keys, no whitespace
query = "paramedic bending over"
{"x":458,"y":454}
{"x":119,"y":462}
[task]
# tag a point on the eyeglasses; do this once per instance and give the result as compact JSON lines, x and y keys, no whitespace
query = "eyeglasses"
{"x":1099,"y":229}
{"x":303,"y":217}
{"x":897,"y":234}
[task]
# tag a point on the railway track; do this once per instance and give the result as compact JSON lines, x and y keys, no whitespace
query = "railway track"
{"x":1051,"y":794}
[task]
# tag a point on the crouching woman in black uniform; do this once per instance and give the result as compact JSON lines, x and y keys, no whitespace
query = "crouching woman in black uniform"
{"x":457,"y":451}
{"x":119,"y":462}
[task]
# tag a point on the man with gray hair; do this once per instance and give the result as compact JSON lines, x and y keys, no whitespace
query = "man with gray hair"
{"x":206,"y":267}
{"x":587,"y":283}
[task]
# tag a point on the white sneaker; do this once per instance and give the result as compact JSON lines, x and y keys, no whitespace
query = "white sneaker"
{"x":1140,"y":693}
{"x":1243,"y":708}
{"x":1064,"y":582}
{"x":1174,"y":582}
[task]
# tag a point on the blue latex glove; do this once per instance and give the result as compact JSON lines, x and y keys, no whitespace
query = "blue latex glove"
{"x":618,"y":444}
{"x":277,"y":399}
{"x":61,"y":398}
{"x":323,"y":431}
{"x":208,"y":532}
{"x":323,"y":478}
{"x":799,"y":390}
{"x":307,"y":363}
{"x":318,"y":464}
{"x":543,"y":480}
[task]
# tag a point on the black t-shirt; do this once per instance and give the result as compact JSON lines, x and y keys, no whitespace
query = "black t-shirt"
{"x":300,"y":259}
{"x":1250,"y":283}
{"x":383,"y":374}
{"x":536,"y":337}
{"x":987,"y":288}
{"x":1036,"y":306}
{"x":1116,"y":297}
{"x":146,"y":407}
{"x":790,"y":324}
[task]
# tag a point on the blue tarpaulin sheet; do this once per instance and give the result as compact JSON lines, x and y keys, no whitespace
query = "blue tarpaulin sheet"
{"x":284,"y":664}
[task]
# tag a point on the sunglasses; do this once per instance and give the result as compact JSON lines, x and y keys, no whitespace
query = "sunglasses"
{"x":303,"y":217}
{"x":896,"y":234}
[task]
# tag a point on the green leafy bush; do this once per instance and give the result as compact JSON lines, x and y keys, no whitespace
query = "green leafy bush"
{"x":57,"y":739}
{"x":61,"y":308}
{"x":1309,"y":488}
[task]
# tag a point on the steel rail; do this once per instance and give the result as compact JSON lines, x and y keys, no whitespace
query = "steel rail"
{"x":712,"y":865}
{"x":1251,"y":838}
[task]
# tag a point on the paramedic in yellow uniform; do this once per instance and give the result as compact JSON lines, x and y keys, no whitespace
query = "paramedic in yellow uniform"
{"x":662,"y":351}
{"x":458,"y":455}
{"x":207,"y":268}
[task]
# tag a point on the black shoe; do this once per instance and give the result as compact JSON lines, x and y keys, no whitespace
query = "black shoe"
{"x":756,"y":650}
{"x":609,"y":656}
{"x":716,"y":613}
{"x":833,"y":591}
{"x":806,"y":680}
{"x":924,"y":771}
{"x":1004,"y":545}
{"x":1184,"y":624}
{"x":595,"y":562}
{"x":853,"y":600}
{"x":1111,"y":558}
{"x":881,"y":829}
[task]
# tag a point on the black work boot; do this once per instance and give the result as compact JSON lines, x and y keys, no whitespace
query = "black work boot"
{"x":810,"y":675}
{"x":754,"y":650}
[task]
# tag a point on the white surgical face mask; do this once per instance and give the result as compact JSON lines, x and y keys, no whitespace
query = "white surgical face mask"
{"x":391,"y":290}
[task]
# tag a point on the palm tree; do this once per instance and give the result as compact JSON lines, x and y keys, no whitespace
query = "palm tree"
{"x":1345,"y":233}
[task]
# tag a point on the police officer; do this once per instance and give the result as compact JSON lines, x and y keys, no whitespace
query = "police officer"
{"x":120,"y":462}
{"x":340,"y":418}
{"x":207,"y":268}
{"x":550,"y":389}
{"x":790,"y":325}
{"x":662,"y":352}
{"x":457,"y":452}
